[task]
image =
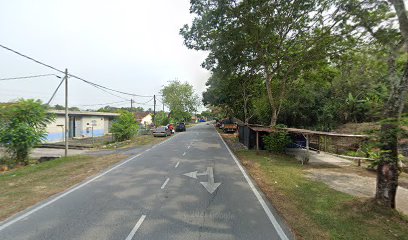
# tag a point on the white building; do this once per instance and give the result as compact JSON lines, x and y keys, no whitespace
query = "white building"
{"x":81,"y":124}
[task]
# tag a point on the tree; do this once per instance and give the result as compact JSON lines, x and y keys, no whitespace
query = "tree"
{"x":161,"y":119}
{"x":274,"y":40}
{"x":378,"y":21}
{"x":23,"y":126}
{"x":125,"y":127}
{"x":59,"y":107}
{"x":181,"y":100}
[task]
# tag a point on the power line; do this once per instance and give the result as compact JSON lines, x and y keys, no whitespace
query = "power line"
{"x":101,"y":104}
{"x":97,"y":85}
{"x":79,"y":78}
{"x":32,"y":59}
{"x":32,"y":76}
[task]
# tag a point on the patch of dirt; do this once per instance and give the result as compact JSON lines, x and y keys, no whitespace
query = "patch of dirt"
{"x":358,"y":128}
{"x":356,"y":185}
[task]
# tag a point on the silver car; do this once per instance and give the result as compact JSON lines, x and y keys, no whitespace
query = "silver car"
{"x":161,"y":132}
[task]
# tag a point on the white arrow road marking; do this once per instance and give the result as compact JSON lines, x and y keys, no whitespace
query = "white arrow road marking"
{"x":191,"y":174}
{"x":195,"y":174}
{"x":165,"y":183}
{"x":210,"y":185}
{"x":188,"y":147}
{"x":184,"y":154}
{"x":136,"y":227}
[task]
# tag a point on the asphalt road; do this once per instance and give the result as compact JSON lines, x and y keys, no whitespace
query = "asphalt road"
{"x":149,"y":196}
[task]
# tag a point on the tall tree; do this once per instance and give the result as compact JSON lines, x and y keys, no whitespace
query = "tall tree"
{"x":387,"y":171}
{"x":276,"y":40}
{"x":379,"y":22}
{"x":181,"y":99}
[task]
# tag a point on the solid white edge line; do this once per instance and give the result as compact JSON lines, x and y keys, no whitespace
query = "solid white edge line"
{"x":136,"y":227}
{"x":268,"y":212}
{"x":177,"y":164}
{"x":7,"y":223}
{"x":165,"y":183}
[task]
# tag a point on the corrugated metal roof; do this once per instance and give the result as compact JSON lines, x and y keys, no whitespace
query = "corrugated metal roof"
{"x":307,"y":132}
{"x":79,"y":113}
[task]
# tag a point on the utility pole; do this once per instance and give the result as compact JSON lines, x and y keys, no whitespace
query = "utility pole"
{"x":66,"y":113}
{"x":131,"y":104}
{"x":154,"y":109}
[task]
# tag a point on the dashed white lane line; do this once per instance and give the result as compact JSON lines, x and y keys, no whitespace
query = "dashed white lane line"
{"x":5,"y":224}
{"x":184,"y":154}
{"x":136,"y":227}
{"x":177,"y":164}
{"x":165,"y":183}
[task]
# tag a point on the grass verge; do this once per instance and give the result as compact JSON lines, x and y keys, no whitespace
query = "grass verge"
{"x":314,"y":210}
{"x":26,"y":186}
{"x":141,"y":140}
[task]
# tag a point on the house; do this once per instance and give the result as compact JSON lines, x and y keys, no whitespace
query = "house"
{"x":81,"y":124}
{"x":144,"y":118}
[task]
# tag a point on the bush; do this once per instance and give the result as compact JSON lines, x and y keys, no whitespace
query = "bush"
{"x":125,"y":127}
{"x":23,"y":126}
{"x":277,"y":140}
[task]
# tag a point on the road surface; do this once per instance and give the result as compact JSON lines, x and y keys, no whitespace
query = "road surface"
{"x":188,"y":187}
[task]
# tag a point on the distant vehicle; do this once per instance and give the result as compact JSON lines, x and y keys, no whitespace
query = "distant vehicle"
{"x":181,"y":127}
{"x":201,"y":120}
{"x":228,"y":126}
{"x":161,"y":132}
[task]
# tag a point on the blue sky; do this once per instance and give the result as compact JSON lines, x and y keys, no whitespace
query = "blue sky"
{"x":133,"y":46}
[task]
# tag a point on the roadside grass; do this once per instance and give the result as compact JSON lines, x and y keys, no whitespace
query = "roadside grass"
{"x":313,"y":209}
{"x":141,"y":140}
{"x":26,"y":186}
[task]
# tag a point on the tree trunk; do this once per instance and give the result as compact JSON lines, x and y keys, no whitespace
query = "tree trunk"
{"x":274,"y":116}
{"x":387,"y":170}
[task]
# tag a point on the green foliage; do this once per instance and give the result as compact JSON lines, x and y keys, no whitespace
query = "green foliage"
{"x":161,"y":119}
{"x":22,"y":126}
{"x":181,"y":100}
{"x":125,"y":127}
{"x":277,"y":140}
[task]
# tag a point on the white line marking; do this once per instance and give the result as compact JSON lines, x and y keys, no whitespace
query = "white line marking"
{"x":177,"y":164}
{"x":6,"y":224}
{"x":188,"y":147}
{"x":148,"y":149}
{"x":165,"y":183}
{"x":137,"y":226}
{"x":268,"y":212}
{"x":184,"y":154}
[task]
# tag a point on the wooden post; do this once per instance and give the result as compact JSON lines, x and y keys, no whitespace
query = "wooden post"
{"x":257,"y":142}
{"x":318,"y":143}
{"x":307,"y":149}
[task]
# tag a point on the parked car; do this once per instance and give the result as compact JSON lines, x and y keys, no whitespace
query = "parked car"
{"x":161,"y":132}
{"x":181,"y":127}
